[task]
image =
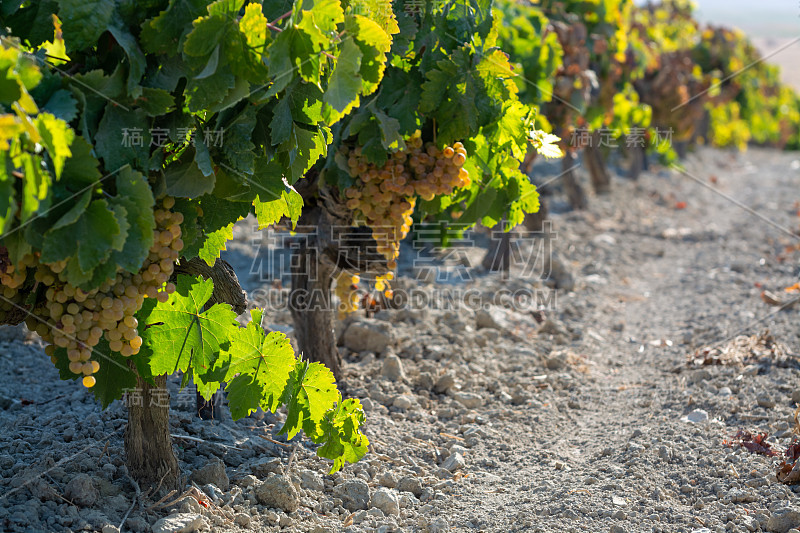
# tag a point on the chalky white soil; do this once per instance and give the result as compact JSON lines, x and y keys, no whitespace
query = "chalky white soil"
{"x":582,"y":417}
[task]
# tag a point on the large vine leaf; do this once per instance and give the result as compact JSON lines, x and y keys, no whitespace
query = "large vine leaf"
{"x":179,"y":335}
{"x":93,"y":235}
{"x":256,"y":367}
{"x":84,"y":21}
{"x":309,"y":394}
{"x":134,"y":194}
{"x":342,"y":434}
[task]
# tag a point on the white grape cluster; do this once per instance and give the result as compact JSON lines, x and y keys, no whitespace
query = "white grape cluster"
{"x":76,"y":320}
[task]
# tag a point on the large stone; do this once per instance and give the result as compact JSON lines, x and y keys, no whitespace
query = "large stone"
{"x":354,"y":494}
{"x":369,"y":335}
{"x":214,"y":473}
{"x":386,"y":500}
{"x":454,"y":462}
{"x":180,"y":523}
{"x":82,"y":490}
{"x":311,"y":480}
{"x":277,"y":491}
{"x":392,"y":368}
{"x":469,"y":400}
{"x":445,"y":381}
{"x":410,"y":484}
{"x":783,"y":519}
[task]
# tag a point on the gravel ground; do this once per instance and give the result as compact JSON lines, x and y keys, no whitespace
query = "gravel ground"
{"x":582,"y":416}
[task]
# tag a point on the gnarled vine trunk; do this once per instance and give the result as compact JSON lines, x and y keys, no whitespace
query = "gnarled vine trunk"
{"x":575,"y":194}
{"x":310,"y":301}
{"x":148,"y":444}
{"x":598,"y":173}
{"x":333,"y":247}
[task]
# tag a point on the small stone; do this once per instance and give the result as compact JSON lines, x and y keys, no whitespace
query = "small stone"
{"x":108,"y":528}
{"x":796,"y":396}
{"x":556,"y":361}
{"x":188,"y":505}
{"x":403,"y":402}
{"x":454,"y":462}
{"x":214,"y":473}
{"x":81,"y":490}
{"x":470,"y":400}
{"x":285,"y":521}
{"x":264,"y":468}
{"x":243,"y":519}
{"x":180,"y":523}
{"x":354,"y":494}
{"x":272,"y":517}
{"x":410,"y":484}
{"x":492,"y":318}
{"x":386,"y":500}
{"x":552,"y":327}
{"x":763,"y":400}
{"x":247,"y":481}
{"x":696,"y":416}
{"x":618,"y":501}
{"x":279,"y":492}
{"x":440,"y":525}
{"x":616,"y":528}
{"x":783,"y":519}
{"x":393,"y":368}
{"x":311,"y":480}
{"x":725,"y":391}
{"x":369,"y":335}
{"x":445,"y":382}
{"x":387,"y":479}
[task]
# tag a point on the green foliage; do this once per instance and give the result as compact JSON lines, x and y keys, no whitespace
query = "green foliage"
{"x":207,"y":102}
{"x":261,"y":370}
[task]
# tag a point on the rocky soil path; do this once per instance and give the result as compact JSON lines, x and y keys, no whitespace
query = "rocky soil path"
{"x":582,"y":416}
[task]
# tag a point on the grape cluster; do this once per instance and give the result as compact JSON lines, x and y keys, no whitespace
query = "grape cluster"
{"x":11,"y":280}
{"x":347,"y":291}
{"x":385,"y":195}
{"x":76,"y":320}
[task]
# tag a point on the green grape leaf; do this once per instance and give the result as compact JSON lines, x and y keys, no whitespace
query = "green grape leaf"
{"x":202,"y":156}
{"x":257,"y":367}
{"x":164,"y":33}
{"x":155,"y":102}
{"x":83,"y":21}
{"x":93,"y":235}
{"x":56,"y":136}
{"x":214,"y":243}
{"x":205,"y":37}
{"x":203,"y":94}
{"x":123,"y":138}
{"x":136,"y":60}
{"x":35,"y":186}
{"x":135,"y":195}
{"x":302,"y":150}
{"x":179,"y":335}
{"x":391,"y":139}
{"x":81,"y":167}
{"x":75,"y":212}
{"x":309,"y":394}
{"x":185,"y":179}
{"x":8,"y":203}
{"x":344,"y":85}
{"x":281,"y":124}
{"x":238,"y":146}
{"x":342,"y":437}
{"x":62,"y":105}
